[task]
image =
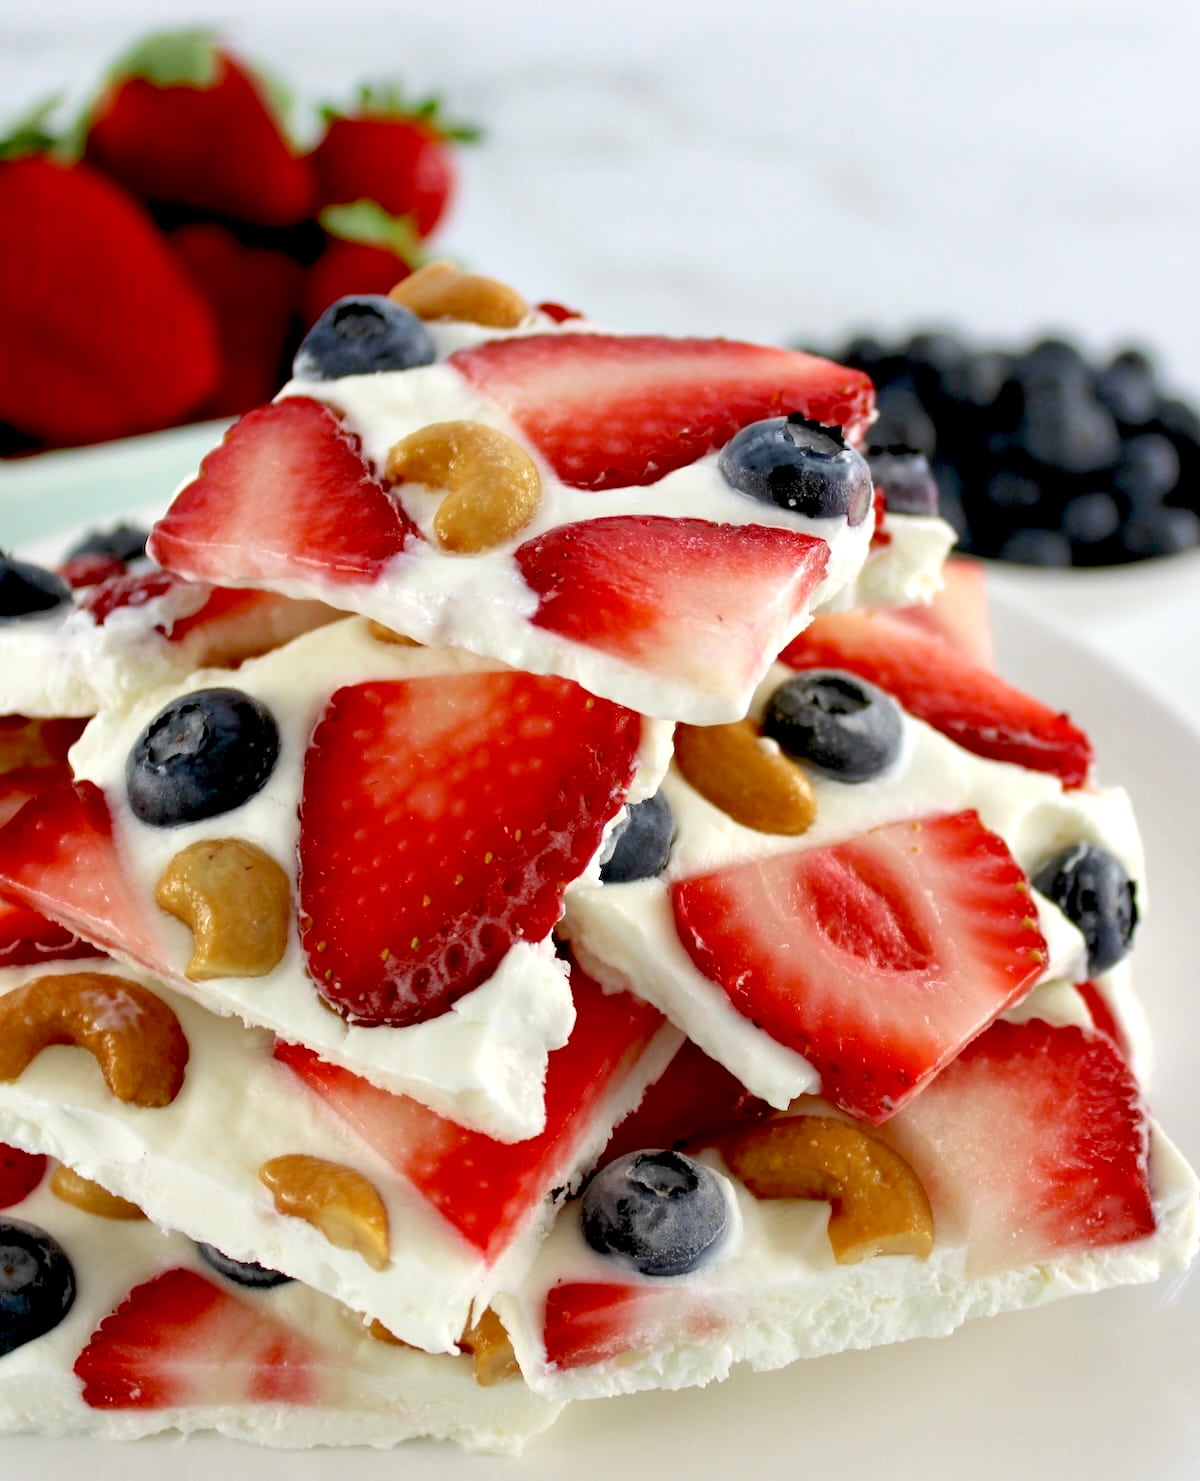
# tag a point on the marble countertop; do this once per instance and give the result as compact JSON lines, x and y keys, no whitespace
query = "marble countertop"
{"x":790,"y":170}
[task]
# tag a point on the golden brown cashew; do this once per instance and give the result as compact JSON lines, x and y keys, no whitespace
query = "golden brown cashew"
{"x":80,"y":1192}
{"x":879,"y":1204}
{"x":338,"y":1201}
{"x":488,"y":1343}
{"x":135,"y":1038}
{"x":493,"y":486}
{"x":752,"y":782}
{"x":236,"y":899}
{"x":439,"y":290}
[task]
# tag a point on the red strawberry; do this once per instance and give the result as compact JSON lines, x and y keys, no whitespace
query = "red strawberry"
{"x":959,"y":611}
{"x":491,"y":1191}
{"x":90,"y":570}
{"x":610,"y":411}
{"x":58,"y":855}
{"x":181,"y":1340}
{"x":558,"y":312}
{"x":345,"y":268}
{"x":396,"y":155}
{"x":702,"y":602}
{"x":1031,"y":1144}
{"x":592,"y":1321}
{"x":475,"y":798}
{"x":971,"y":705}
{"x":695,"y":1098}
{"x":132,"y":589}
{"x":1103,"y":1018}
{"x":876,"y":959}
{"x":20,"y":1173}
{"x":182,"y":121}
{"x":103,"y":333}
{"x":285,"y":495}
{"x":254,"y":295}
{"x":26,"y":936}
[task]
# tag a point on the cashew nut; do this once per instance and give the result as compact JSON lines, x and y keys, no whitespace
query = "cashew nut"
{"x":236,"y":899}
{"x":338,"y":1201}
{"x":489,"y":1345}
{"x":879,"y":1205}
{"x":493,"y":486}
{"x":439,"y":290}
{"x":749,"y":780}
{"x":80,"y":1192}
{"x":135,"y":1038}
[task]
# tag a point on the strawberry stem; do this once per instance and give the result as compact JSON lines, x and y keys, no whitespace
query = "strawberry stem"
{"x":171,"y":59}
{"x":387,"y":100}
{"x":30,"y":133}
{"x":366,"y":221}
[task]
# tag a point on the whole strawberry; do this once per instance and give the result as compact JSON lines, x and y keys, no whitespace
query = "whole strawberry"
{"x":395,"y":154}
{"x":183,"y":122}
{"x":366,"y":251}
{"x":103,"y":333}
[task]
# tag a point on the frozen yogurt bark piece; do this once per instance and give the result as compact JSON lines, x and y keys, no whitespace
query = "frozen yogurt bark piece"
{"x":276,"y":1157}
{"x":556,"y":497}
{"x":128,"y":1330}
{"x":107,"y":642}
{"x":1028,"y":1170}
{"x":361,"y":845}
{"x":816,"y":932}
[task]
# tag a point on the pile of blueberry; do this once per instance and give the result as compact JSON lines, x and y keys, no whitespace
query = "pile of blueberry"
{"x":1042,"y":456}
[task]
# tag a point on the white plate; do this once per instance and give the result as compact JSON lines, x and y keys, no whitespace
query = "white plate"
{"x":1105,"y":1388}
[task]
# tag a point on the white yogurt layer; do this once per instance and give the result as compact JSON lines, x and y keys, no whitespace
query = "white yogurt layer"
{"x":482,"y":1062}
{"x":624,"y":935}
{"x":193,"y":1165}
{"x":368,"y":1392}
{"x":773,"y":1292}
{"x":481,"y":602}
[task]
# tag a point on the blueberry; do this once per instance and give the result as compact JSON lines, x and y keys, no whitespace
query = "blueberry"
{"x":242,"y":1272}
{"x":1093,"y":891}
{"x":905,"y":477}
{"x":1127,"y":387}
{"x":836,"y":723}
{"x":1161,"y":531}
{"x":1035,"y":547}
{"x":800,"y":465}
{"x":642,"y":842}
{"x":1148,"y":470}
{"x":37,"y":1284}
{"x":203,"y":754}
{"x":1090,"y":518}
{"x":662,"y":1210}
{"x":1065,"y":427}
{"x":903,"y":418}
{"x":25,"y":589}
{"x":123,"y":543}
{"x":356,"y":336}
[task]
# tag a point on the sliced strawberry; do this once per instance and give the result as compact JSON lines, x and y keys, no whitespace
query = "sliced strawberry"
{"x":699,"y":601}
{"x":592,"y":1321}
{"x":876,"y":959}
{"x":58,"y":856}
{"x":491,"y":1191}
{"x":1031,"y":1144}
{"x":180,"y":1340}
{"x":20,"y":1173}
{"x":285,"y":495}
{"x":26,"y":936}
{"x":135,"y":589}
{"x":1104,"y":1020}
{"x":611,"y":411}
{"x":971,"y":705}
{"x":959,"y":611}
{"x":474,"y":800}
{"x":89,"y":570}
{"x":695,"y":1098}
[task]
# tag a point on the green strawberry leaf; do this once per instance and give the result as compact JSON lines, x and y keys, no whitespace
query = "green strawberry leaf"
{"x":366,"y":221}
{"x":172,"y":59}
{"x":387,"y":100}
{"x":30,"y":133}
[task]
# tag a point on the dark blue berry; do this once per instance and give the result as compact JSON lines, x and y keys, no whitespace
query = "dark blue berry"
{"x":836,"y":723}
{"x":1093,"y":891}
{"x":25,"y":589}
{"x":903,"y":418}
{"x":641,"y":843}
{"x":242,"y":1272}
{"x":1161,"y":531}
{"x":661,"y":1210}
{"x":123,"y":543}
{"x":800,"y":465}
{"x":1148,"y":469}
{"x":1128,"y":388}
{"x":356,"y":336}
{"x":203,"y":754}
{"x":905,"y":477}
{"x":1035,"y":547}
{"x":1064,"y":427}
{"x":37,"y":1283}
{"x":1090,"y":518}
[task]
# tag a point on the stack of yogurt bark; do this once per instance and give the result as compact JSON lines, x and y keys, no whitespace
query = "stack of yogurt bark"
{"x":534,"y":913}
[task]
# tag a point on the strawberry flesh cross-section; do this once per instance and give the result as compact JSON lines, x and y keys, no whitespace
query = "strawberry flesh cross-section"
{"x":440,"y":822}
{"x":876,"y":959}
{"x":615,"y":411}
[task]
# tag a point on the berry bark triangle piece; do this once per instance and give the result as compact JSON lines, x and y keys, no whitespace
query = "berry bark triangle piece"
{"x":357,"y":825}
{"x":594,"y":535}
